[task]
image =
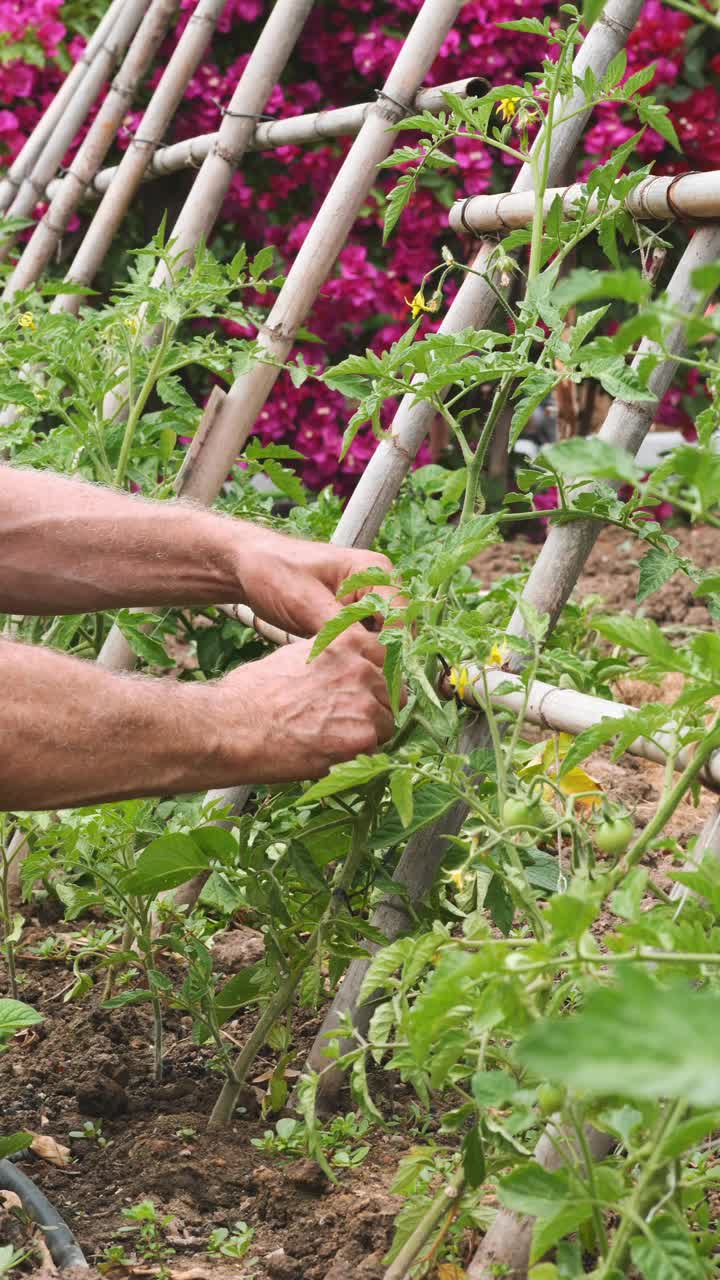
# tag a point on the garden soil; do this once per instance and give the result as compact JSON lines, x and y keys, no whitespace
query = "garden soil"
{"x":85,"y":1063}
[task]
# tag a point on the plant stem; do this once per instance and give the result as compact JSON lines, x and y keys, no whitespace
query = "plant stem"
{"x":224,"y":1108}
{"x":636,"y":1206}
{"x":589,"y":1166}
{"x":139,"y":406}
{"x":668,"y":806}
{"x":445,"y":1199}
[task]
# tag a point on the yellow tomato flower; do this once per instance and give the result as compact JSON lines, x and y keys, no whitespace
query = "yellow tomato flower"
{"x":418,"y":304}
{"x":27,"y":320}
{"x":131,"y":323}
{"x":497,"y":656}
{"x":507,"y":107}
{"x":458,"y":878}
{"x":459,"y":680}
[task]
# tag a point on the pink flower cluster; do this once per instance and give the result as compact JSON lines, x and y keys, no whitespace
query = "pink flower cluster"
{"x":344,"y":54}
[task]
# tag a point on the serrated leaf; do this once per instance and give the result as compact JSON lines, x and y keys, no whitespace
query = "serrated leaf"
{"x":262,"y":261}
{"x":382,"y":966}
{"x":626,"y":728}
{"x":373,"y":576}
{"x":590,"y":458}
{"x":347,"y":777}
{"x":666,"y":1252}
{"x":656,"y":568}
{"x":430,"y":802}
{"x":464,"y":542}
{"x":547,"y":1232}
{"x":393,"y":669}
{"x":167,"y":862}
{"x":401,"y":790}
{"x":397,"y":200}
{"x":671,"y":1051}
{"x":347,"y":617}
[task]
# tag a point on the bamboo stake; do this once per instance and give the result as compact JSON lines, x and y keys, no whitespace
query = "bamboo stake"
{"x":373,"y":497}
{"x":113,"y":48}
{"x":691,"y":195}
{"x":49,"y":231}
{"x":150,"y":131}
{"x":25,"y":161}
{"x":475,"y":300}
{"x":327,"y":234}
{"x":304,"y":130}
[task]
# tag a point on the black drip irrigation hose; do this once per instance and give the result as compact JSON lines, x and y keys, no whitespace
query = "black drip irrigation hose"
{"x":64,"y":1248}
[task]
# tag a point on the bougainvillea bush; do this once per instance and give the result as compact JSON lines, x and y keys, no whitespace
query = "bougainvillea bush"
{"x":343,"y":55}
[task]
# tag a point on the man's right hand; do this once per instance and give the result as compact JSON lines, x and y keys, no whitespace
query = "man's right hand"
{"x":284,"y":719}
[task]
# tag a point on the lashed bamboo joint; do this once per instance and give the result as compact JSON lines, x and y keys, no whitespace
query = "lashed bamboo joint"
{"x":304,"y":130}
{"x":694,"y":196}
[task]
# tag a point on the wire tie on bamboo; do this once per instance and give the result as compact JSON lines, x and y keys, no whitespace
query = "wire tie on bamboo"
{"x":681,"y":217}
{"x":238,"y":115}
{"x":615,"y":24}
{"x":401,"y":106}
{"x":152,"y":143}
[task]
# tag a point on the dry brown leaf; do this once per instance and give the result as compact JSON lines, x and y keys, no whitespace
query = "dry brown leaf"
{"x":451,"y":1271}
{"x":9,"y":1200}
{"x":48,"y":1149}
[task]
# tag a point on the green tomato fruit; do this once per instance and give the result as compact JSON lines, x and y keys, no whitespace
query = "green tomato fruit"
{"x":518,"y":813}
{"x":550,"y":1098}
{"x":614,"y":835}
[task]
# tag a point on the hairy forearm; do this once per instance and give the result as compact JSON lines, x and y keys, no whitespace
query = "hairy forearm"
{"x":71,"y":547}
{"x":75,"y":734}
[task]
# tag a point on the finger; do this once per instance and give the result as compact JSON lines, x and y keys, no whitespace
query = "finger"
{"x":377,"y":684}
{"x":363,"y":642}
{"x":384,"y":724}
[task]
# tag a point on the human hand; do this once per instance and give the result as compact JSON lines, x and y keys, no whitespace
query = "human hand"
{"x":284,"y":719}
{"x":293,"y":583}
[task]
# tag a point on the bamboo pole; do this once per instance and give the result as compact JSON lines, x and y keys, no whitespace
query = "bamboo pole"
{"x":689,"y":195}
{"x":149,"y":133}
{"x":113,"y":48}
{"x":475,"y":300}
{"x":304,"y":130}
{"x":25,"y":161}
{"x":327,"y":234}
{"x":373,"y":497}
{"x":49,"y":231}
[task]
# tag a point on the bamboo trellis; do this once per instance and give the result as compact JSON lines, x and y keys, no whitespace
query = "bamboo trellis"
{"x":229,"y":420}
{"x":111,"y":49}
{"x":315,"y":126}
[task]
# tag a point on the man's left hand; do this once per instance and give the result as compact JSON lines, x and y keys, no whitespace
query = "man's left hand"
{"x":293,"y":583}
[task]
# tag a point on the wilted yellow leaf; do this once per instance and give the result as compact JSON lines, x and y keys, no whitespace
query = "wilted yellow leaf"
{"x":451,"y":1271}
